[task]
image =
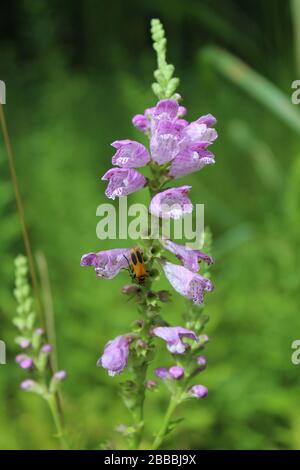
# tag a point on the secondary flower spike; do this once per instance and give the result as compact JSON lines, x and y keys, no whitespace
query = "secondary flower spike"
{"x":123,"y":181}
{"x":107,"y":263}
{"x":115,"y":355}
{"x":189,"y":284}
{"x":130,"y":154}
{"x":173,"y":335}
{"x":171,"y":203}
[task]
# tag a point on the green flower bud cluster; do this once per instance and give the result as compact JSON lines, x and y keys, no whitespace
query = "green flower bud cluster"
{"x":165,"y":85}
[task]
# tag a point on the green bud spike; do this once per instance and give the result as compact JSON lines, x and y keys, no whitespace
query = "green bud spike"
{"x":165,"y":85}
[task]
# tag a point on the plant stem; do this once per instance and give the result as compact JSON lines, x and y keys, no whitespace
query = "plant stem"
{"x":164,"y":428}
{"x":52,"y":402}
{"x":20,"y":208}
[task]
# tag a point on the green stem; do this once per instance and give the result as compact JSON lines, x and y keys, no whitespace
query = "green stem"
{"x":20,"y":208}
{"x":60,"y":432}
{"x":164,"y":428}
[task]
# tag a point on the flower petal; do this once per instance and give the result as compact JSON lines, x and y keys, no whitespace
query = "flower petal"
{"x":123,"y":181}
{"x":189,"y":258}
{"x":115,"y":355}
{"x":171,"y":203}
{"x":130,"y":154}
{"x":187,"y":283}
{"x":107,"y":263}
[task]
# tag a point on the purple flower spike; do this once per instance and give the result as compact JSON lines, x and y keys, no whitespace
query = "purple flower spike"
{"x":199,"y":391}
{"x":123,"y":181}
{"x":130,"y":154}
{"x":172,"y":203}
{"x":107,"y":263}
{"x":187,"y":283}
{"x":24,"y":361}
{"x":115,"y":355}
{"x":176,"y":372}
{"x":162,"y":373}
{"x":47,"y":348}
{"x":173,"y":337}
{"x":188,"y":257}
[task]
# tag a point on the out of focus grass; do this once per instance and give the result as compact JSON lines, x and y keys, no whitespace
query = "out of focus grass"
{"x":75,"y":75}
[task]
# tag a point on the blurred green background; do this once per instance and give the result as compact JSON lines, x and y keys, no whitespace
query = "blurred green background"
{"x":76,"y":72}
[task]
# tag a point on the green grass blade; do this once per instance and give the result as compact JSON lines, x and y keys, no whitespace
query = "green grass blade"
{"x":254,"y":84}
{"x":295,"y":15}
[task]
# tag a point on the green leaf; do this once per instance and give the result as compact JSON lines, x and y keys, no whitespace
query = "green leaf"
{"x":254,"y":84}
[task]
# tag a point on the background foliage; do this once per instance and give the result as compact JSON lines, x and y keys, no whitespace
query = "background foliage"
{"x":75,"y":73}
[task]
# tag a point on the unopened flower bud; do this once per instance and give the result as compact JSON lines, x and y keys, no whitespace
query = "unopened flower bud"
{"x":176,"y":372}
{"x":164,"y":296}
{"x":32,"y":386}
{"x":24,"y":361}
{"x":150,"y":384}
{"x":202,"y":361}
{"x":47,"y":348}
{"x":130,"y":289}
{"x":162,"y":373}
{"x":199,"y":391}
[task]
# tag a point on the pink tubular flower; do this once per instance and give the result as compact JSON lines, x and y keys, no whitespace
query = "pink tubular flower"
{"x":171,"y":203}
{"x":176,"y":372}
{"x":199,"y":391}
{"x":130,"y":154}
{"x":187,"y":283}
{"x":165,"y":141}
{"x":189,"y":161}
{"x":188,"y":257}
{"x":107,"y":263}
{"x":115,"y":355}
{"x":123,"y":181}
{"x":173,"y":337}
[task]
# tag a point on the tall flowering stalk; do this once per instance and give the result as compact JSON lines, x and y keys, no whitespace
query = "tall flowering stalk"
{"x":176,"y":148}
{"x":35,"y":350}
